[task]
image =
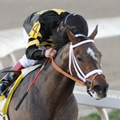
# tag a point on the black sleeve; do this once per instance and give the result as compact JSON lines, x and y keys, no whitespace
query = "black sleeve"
{"x":34,"y":53}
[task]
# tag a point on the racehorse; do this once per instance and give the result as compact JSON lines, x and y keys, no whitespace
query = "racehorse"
{"x":51,"y":97}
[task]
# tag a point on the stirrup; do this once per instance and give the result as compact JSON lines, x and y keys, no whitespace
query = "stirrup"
{"x":6,"y":83}
{"x":7,"y":90}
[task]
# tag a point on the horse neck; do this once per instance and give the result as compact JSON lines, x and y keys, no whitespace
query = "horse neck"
{"x":60,"y":83}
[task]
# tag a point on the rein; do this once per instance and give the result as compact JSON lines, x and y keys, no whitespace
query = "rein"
{"x":57,"y":68}
{"x":66,"y":74}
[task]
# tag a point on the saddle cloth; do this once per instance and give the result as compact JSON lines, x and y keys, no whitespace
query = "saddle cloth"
{"x":4,"y":102}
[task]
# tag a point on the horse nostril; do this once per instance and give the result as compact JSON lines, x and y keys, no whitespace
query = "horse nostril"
{"x":96,"y":88}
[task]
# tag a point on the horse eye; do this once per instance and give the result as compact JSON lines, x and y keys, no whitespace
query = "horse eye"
{"x":80,"y":59}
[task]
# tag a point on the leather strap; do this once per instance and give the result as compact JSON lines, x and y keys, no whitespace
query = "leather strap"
{"x":66,"y":74}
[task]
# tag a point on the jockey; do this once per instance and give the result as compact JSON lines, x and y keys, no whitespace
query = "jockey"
{"x":45,"y":34}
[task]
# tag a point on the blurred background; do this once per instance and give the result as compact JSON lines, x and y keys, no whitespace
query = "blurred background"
{"x":13,"y":14}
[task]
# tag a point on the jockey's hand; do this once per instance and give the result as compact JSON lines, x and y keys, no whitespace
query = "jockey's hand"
{"x":51,"y":52}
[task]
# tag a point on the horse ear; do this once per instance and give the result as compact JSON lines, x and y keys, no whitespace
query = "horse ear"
{"x":71,"y":36}
{"x":94,"y":33}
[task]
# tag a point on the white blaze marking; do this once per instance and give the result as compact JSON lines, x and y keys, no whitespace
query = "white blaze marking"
{"x":92,"y":54}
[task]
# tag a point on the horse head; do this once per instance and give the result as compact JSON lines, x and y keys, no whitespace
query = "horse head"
{"x":85,"y":63}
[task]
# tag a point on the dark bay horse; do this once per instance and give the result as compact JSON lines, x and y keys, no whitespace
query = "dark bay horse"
{"x":51,"y":97}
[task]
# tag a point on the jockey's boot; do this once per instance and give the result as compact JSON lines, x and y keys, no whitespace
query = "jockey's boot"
{"x":10,"y":77}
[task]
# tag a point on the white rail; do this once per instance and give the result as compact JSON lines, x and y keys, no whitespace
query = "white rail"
{"x":10,"y":41}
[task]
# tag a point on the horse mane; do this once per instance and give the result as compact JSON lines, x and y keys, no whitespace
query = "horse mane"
{"x":62,"y":54}
{"x":60,"y":38}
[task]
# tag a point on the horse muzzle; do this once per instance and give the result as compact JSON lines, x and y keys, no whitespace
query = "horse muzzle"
{"x":98,"y":89}
{"x":98,"y":93}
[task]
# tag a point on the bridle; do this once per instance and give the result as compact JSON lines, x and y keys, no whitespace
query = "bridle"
{"x":80,"y":74}
{"x":77,"y":68}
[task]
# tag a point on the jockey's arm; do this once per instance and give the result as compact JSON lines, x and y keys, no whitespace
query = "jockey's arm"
{"x":36,"y":54}
{"x":33,"y":51}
